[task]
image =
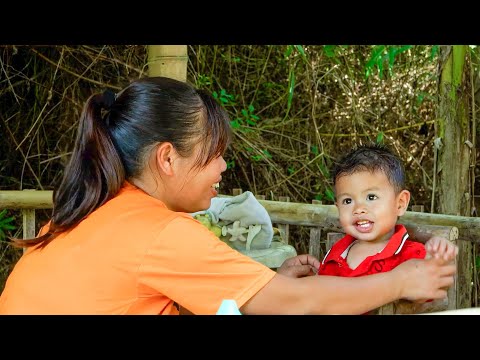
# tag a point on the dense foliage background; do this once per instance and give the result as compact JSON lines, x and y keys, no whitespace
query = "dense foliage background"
{"x":294,"y":109}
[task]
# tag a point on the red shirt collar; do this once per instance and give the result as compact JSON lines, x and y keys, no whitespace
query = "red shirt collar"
{"x":393,"y":247}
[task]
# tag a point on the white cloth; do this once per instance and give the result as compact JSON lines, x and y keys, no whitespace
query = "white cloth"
{"x":244,"y":221}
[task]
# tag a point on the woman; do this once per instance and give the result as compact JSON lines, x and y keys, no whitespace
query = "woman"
{"x":121,"y":240}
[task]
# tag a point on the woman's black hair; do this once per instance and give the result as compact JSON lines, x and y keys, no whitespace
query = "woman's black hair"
{"x":116,"y":132}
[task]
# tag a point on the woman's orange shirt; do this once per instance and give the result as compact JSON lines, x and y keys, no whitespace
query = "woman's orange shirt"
{"x":132,"y":256}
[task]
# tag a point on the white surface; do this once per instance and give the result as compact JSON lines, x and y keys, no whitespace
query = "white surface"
{"x":228,"y":307}
{"x":468,"y":311}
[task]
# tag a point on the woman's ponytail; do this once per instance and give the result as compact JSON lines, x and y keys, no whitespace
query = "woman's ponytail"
{"x":93,"y":175}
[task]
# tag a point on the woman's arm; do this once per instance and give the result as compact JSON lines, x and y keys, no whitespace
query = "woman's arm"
{"x":414,"y":279}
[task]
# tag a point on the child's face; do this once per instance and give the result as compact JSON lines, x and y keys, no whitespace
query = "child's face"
{"x":368,"y":206}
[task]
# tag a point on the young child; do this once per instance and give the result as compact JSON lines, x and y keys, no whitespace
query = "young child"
{"x":370,"y":193}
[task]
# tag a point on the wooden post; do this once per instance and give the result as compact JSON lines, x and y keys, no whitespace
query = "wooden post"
{"x":237,"y":191}
{"x":28,"y":216}
{"x":315,"y":235}
{"x":418,"y":208}
{"x":387,"y":309}
{"x":332,"y":238}
{"x":168,"y":60}
{"x":284,"y":228}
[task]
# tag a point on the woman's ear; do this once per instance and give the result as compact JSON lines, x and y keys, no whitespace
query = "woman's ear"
{"x":164,"y":156}
{"x":403,"y":199}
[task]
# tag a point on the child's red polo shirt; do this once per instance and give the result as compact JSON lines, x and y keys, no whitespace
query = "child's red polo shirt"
{"x":397,"y":250}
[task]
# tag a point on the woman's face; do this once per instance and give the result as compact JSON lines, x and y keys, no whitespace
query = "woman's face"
{"x":192,"y":189}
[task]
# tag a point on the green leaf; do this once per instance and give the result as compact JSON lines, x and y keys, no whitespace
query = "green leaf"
{"x":420,"y":98}
{"x":267,"y":154}
{"x":290,"y":90}
{"x":376,"y":58}
{"x":377,"y":52}
{"x":288,"y":51}
{"x":404,"y":48}
{"x":7,"y":220}
{"x":434,"y":51}
{"x":368,"y":72}
{"x":314,"y":149}
{"x":230,"y":164}
{"x":392,"y":52}
{"x":329,"y":50}
{"x":380,"y":137}
{"x":234,"y":124}
{"x":5,"y":223}
{"x":203,"y":80}
{"x":8,"y":227}
{"x":329,"y":194}
{"x":302,"y":52}
{"x":380,"y":67}
{"x":323,"y":169}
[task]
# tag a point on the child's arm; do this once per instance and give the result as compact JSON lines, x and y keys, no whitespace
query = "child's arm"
{"x":440,"y":247}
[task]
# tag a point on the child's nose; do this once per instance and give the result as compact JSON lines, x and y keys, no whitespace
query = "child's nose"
{"x":359,"y":209}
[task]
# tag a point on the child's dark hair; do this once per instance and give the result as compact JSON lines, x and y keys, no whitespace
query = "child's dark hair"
{"x":116,"y":134}
{"x":372,"y":157}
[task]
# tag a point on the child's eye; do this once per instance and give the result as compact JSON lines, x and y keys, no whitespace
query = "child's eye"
{"x":372,"y":197}
{"x":346,"y":201}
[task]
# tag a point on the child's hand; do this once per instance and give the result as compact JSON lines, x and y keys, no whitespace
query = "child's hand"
{"x":440,"y":247}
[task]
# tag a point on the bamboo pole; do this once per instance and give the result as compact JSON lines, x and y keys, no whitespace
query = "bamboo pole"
{"x":168,"y":60}
{"x":18,"y":199}
{"x":324,"y":216}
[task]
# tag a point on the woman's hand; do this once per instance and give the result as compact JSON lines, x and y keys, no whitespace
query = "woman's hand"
{"x":425,"y":279}
{"x":300,"y":266}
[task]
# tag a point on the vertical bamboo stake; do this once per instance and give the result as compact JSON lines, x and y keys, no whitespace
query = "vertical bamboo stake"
{"x":237,"y":191}
{"x":315,"y":235}
{"x":284,"y":228}
{"x":418,"y":208}
{"x":332,"y":238}
{"x":168,"y":60}
{"x":28,"y":222}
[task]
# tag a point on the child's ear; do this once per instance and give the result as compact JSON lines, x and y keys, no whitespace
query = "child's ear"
{"x":403,"y":199}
